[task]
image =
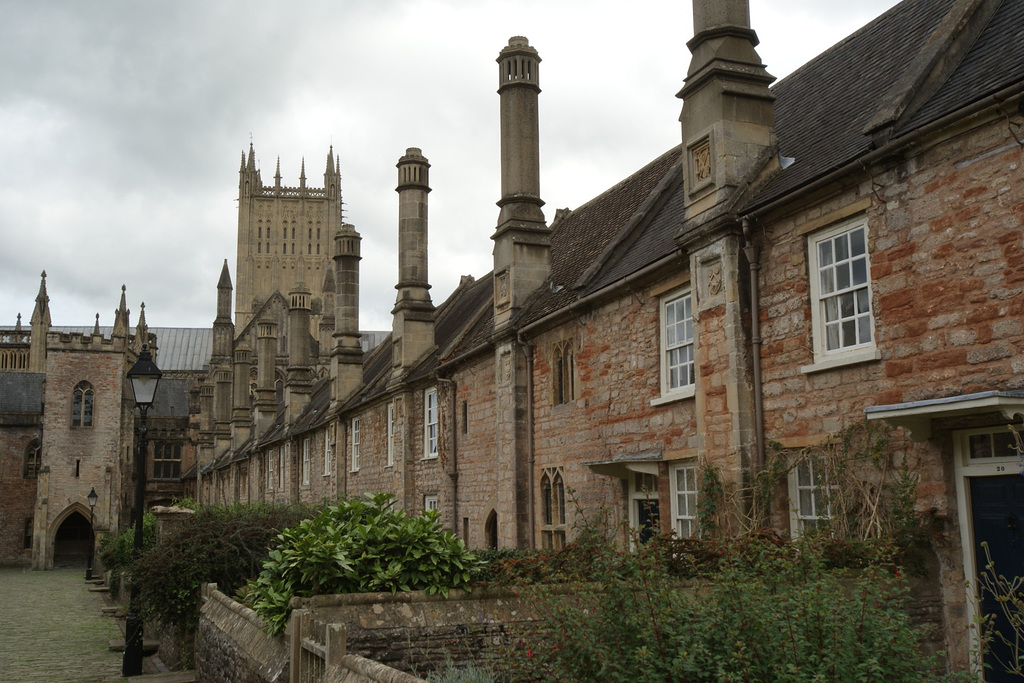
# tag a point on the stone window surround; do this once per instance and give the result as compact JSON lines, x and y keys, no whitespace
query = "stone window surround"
{"x":851,"y":354}
{"x":563,"y":371}
{"x":686,"y":390}
{"x":305,"y":461}
{"x":808,"y":510}
{"x":327,"y":453}
{"x":356,"y":438}
{"x":684,"y":521}
{"x":33,"y":460}
{"x":430,"y":424}
{"x":552,"y":502}
{"x":390,"y":435}
{"x":83,"y":405}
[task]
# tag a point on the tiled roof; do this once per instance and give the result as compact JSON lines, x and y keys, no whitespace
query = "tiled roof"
{"x":822,"y":109}
{"x":171,"y":398}
{"x":994,"y":62}
{"x":581,"y":237}
{"x":21,"y":392}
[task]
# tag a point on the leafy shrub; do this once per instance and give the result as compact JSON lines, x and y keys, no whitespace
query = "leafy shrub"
{"x":116,"y":550}
{"x":359,"y":546}
{"x":770,"y":611}
{"x":217,"y":544}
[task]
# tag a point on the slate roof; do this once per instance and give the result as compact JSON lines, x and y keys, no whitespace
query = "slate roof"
{"x":580,"y":238}
{"x":21,"y":392}
{"x":178,"y":348}
{"x":821,"y":113}
{"x":994,"y":62}
{"x":171,"y":398}
{"x":821,"y":109}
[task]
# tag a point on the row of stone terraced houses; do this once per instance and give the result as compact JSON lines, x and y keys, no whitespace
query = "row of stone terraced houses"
{"x":843,"y":246}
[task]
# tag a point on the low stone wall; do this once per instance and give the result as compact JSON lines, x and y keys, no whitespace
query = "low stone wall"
{"x":233,"y":647}
{"x":418,"y":632}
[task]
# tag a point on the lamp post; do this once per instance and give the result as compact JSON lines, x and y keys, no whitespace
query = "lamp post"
{"x":92,"y":497}
{"x":144,"y":377}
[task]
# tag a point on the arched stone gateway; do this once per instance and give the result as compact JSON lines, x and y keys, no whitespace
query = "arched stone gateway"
{"x":71,"y":541}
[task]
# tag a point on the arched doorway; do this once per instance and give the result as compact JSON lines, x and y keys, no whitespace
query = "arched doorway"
{"x":71,"y":543}
{"x":491,"y":530}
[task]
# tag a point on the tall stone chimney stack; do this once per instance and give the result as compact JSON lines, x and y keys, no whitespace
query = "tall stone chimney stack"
{"x":266,"y":389}
{"x":728,"y":114}
{"x":522,"y":242}
{"x":299,"y":380}
{"x":413,"y":324}
{"x":347,"y":355}
{"x":240,"y":408}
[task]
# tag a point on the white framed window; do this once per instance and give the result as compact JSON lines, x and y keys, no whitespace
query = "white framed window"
{"x":271,"y":456}
{"x":840,"y":284}
{"x":305,"y":461}
{"x":430,"y":501}
{"x":355,"y":444}
{"x":684,"y":499}
{"x":678,"y":369}
{"x":281,"y":466}
{"x":809,"y":497}
{"x":327,"y":452}
{"x":391,"y":435}
{"x":430,"y":423}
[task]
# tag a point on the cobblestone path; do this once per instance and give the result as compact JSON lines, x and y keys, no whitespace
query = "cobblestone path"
{"x":51,"y":629}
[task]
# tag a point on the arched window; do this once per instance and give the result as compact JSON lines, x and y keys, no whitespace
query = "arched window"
{"x":552,"y":496}
{"x":81,"y":405}
{"x":32,"y":460}
{"x":259,"y":247}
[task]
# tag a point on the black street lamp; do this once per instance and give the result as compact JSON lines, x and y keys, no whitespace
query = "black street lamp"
{"x":144,"y":377}
{"x":92,"y":497}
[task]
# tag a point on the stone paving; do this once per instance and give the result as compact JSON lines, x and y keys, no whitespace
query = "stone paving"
{"x":52,"y":629}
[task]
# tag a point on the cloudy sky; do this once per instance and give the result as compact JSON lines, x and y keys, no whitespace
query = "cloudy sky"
{"x":122,"y":123}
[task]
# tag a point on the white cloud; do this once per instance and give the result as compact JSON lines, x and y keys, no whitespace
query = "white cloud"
{"x":121,"y":125}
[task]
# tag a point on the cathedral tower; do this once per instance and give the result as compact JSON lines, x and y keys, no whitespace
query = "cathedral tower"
{"x":284,"y":235}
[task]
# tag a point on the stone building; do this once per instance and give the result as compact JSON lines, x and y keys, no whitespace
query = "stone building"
{"x":830,"y":253}
{"x":67,"y":423}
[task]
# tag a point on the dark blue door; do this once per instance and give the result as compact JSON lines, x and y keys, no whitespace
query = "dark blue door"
{"x":997,"y":506}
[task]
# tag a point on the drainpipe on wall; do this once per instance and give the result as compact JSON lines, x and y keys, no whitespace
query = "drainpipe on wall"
{"x":528,"y":352}
{"x":452,"y":466}
{"x":753,"y":254}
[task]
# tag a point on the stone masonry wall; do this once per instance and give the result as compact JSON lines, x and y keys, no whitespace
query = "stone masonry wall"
{"x":475,"y":449}
{"x":233,"y":647}
{"x":17,"y":504}
{"x":415,"y":631}
{"x":947,"y":288}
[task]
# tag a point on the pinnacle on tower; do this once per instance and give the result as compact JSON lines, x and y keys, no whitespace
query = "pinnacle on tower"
{"x":96,"y":327}
{"x":121,"y":321}
{"x":41,"y":313}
